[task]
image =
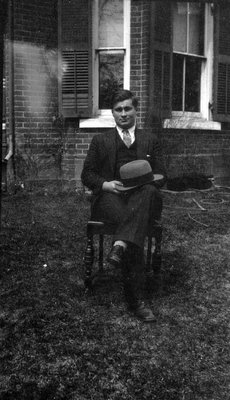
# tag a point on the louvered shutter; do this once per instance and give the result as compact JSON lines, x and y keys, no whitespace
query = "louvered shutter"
{"x":161,"y":59}
{"x":222,"y":63}
{"x":75,"y":38}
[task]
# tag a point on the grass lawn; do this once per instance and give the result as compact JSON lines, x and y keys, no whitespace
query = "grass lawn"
{"x":59,"y":342}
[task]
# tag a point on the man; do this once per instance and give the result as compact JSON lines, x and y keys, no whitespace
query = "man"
{"x":131,"y":211}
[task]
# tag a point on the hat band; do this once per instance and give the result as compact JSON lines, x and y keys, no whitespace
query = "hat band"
{"x":138,"y":180}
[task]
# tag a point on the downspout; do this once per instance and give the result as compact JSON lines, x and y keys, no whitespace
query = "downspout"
{"x":1,"y":96}
{"x":3,"y":16}
{"x":11,"y":135}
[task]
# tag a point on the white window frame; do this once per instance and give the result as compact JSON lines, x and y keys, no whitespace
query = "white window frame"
{"x":104,"y":118}
{"x":202,"y":119}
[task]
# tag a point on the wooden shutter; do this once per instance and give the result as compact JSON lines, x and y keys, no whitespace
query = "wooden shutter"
{"x":161,"y":59}
{"x":222,"y":63}
{"x":75,"y":64}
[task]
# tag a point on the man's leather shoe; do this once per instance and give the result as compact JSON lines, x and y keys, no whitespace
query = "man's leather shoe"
{"x":115,"y":256}
{"x":144,"y":313}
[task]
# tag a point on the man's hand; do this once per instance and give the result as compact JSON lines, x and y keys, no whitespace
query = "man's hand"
{"x":112,"y":187}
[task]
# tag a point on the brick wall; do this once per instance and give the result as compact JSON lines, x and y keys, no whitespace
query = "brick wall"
{"x":201,"y":151}
{"x":48,"y":149}
{"x":35,"y":81}
{"x":139,"y":74}
{"x":185,"y":151}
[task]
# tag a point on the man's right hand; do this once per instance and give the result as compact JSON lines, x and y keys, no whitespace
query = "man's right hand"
{"x":112,"y":187}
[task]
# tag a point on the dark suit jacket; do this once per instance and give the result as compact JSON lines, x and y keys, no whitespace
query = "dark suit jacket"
{"x":99,"y":165}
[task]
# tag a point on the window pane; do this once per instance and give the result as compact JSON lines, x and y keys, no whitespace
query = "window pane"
{"x":111,"y":23}
{"x":196,"y":28}
{"x":192,"y":84}
{"x":111,"y":77}
{"x":180,"y":27}
{"x":188,"y":28}
{"x":177,"y":94}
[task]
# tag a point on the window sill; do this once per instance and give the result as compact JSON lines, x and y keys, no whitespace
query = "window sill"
{"x":98,"y":122}
{"x":191,"y":123}
{"x":173,"y":123}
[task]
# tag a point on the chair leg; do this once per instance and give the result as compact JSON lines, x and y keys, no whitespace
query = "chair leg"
{"x":101,"y":245}
{"x":157,"y":257}
{"x":89,"y":258}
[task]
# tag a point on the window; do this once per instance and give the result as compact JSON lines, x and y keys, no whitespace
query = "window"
{"x":182,"y":64}
{"x":110,"y":51}
{"x":94,"y":58}
{"x":188,"y":55}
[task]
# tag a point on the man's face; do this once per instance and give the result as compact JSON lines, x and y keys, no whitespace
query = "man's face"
{"x":124,"y":114}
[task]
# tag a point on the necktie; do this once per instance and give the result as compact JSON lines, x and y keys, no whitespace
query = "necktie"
{"x":127,"y":138}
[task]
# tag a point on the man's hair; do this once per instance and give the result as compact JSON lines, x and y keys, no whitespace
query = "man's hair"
{"x":122,"y":95}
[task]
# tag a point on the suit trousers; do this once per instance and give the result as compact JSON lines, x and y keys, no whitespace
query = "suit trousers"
{"x":132,"y":213}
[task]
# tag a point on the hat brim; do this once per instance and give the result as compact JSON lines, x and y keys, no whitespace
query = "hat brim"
{"x":156,"y":177}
